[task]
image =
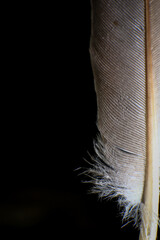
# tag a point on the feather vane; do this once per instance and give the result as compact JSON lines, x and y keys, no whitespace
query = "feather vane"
{"x":125,"y":57}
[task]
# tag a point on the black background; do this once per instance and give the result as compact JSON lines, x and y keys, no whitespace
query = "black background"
{"x":48,"y":113}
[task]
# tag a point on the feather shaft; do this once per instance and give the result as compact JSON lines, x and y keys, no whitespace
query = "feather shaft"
{"x":151,"y":186}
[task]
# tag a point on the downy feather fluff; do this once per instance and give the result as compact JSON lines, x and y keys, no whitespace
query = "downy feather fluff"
{"x":125,"y":57}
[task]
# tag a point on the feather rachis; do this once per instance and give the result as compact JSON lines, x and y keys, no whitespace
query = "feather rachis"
{"x":151,"y":186}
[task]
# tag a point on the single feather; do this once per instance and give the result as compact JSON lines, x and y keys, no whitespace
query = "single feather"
{"x":125,"y":57}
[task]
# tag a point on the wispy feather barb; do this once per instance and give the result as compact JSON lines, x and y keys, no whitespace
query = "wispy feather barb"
{"x":102,"y":178}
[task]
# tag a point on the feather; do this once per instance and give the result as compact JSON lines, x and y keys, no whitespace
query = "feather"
{"x":125,"y":57}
